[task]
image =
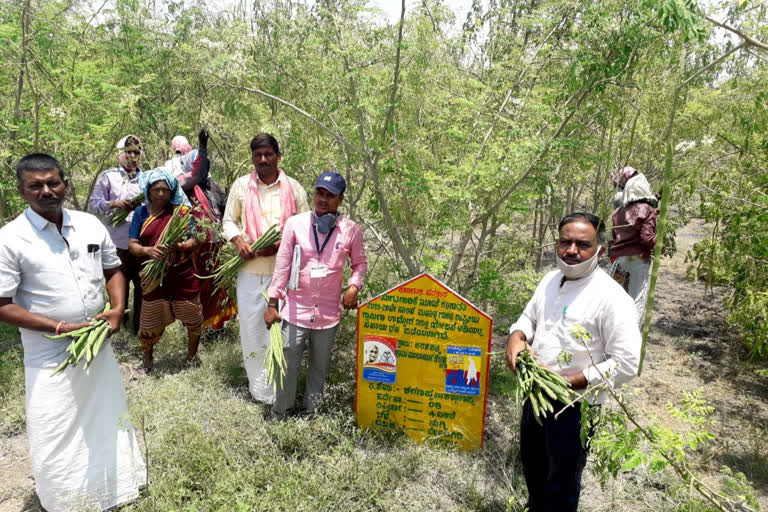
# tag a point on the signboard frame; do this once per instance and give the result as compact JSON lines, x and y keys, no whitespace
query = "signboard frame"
{"x":486,"y":348}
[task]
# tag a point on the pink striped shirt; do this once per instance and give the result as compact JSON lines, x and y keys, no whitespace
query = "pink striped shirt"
{"x":316,"y":303}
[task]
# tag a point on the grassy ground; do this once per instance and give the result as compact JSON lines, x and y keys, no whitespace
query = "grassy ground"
{"x":210,"y":448}
{"x":11,"y":381}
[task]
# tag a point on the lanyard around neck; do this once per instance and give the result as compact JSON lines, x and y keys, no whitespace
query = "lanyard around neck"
{"x":317,"y":241}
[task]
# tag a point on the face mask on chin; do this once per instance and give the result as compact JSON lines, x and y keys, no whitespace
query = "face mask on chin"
{"x":579,"y":270}
{"x":324,"y":223}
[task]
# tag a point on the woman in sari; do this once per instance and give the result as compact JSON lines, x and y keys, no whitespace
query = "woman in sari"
{"x":208,"y":198}
{"x":178,"y":296}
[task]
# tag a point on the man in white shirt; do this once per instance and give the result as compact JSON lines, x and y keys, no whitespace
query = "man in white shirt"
{"x":256,"y":201}
{"x":53,"y":262}
{"x":580,"y":294}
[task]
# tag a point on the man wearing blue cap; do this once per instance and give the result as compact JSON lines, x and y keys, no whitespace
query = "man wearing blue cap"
{"x":308,"y":277}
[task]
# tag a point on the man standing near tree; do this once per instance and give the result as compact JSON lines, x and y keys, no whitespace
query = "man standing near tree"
{"x":264,"y":197}
{"x":314,"y":249}
{"x":580,"y":294}
{"x":53,"y":262}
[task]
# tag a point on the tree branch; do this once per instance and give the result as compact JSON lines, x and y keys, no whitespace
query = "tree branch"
{"x":340,"y":138}
{"x":749,"y":41}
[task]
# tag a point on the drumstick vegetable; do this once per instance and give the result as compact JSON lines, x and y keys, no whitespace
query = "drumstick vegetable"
{"x":86,"y":342}
{"x":176,"y":231}
{"x":274,"y":358}
{"x":119,"y":216}
{"x":226,"y":274}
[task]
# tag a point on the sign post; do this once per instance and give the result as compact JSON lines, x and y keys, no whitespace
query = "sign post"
{"x":422,"y":364}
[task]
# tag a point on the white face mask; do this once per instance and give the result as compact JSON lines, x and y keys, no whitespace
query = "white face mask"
{"x":579,"y":270}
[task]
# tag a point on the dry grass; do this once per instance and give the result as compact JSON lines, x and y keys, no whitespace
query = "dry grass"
{"x":211,"y":448}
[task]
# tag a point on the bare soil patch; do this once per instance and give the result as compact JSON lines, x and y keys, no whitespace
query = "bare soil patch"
{"x":691,"y":347}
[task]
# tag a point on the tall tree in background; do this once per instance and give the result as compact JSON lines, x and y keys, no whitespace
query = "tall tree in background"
{"x":463,"y":144}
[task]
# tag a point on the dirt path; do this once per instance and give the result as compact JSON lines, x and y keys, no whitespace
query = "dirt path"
{"x":691,"y":348}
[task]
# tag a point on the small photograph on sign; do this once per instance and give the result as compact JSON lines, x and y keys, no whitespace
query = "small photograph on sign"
{"x":380,"y":359}
{"x":462,"y":373}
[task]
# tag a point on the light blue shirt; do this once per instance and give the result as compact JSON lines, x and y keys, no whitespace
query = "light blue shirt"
{"x":113,"y":185}
{"x":58,"y":275}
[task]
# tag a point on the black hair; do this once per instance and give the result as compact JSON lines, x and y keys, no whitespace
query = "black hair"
{"x":598,"y":224}
{"x":132,"y":141}
{"x":37,"y":162}
{"x":263,"y":140}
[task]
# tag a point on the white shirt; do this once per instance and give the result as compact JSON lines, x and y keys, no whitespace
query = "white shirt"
{"x":175,"y":166}
{"x":599,"y":305}
{"x":233,"y":222}
{"x":58,"y":275}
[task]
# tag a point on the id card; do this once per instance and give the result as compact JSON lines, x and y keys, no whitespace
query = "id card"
{"x":318,"y":271}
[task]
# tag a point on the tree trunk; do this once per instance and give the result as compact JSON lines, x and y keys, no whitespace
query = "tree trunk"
{"x":23,"y":63}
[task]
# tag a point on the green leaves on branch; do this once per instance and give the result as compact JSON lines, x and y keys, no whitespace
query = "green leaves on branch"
{"x":683,"y":16}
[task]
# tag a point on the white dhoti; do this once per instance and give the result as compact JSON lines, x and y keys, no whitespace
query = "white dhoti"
{"x":633,"y":274}
{"x":254,"y":335}
{"x":82,"y":445}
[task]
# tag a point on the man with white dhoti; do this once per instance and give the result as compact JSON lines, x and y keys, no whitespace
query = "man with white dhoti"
{"x":53,"y":261}
{"x":256,"y":201}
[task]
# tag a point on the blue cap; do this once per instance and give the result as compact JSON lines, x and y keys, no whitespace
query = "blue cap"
{"x":331,"y":181}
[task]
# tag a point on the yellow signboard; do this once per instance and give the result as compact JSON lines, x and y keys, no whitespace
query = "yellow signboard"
{"x":422,"y":364}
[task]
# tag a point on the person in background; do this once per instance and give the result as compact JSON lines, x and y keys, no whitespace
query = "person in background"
{"x":633,"y":236}
{"x":196,"y":181}
{"x":315,"y":247}
{"x":208,"y":197}
{"x":53,"y":264}
{"x":115,"y":190}
{"x":178,"y":296}
{"x":578,"y":293}
{"x":256,"y":201}
{"x":180,"y":146}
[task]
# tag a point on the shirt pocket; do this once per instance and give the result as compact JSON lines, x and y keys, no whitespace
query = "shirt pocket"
{"x":88,"y":262}
{"x":338,"y":255}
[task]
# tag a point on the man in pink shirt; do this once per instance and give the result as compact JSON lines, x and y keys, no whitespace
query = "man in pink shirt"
{"x":308,"y":277}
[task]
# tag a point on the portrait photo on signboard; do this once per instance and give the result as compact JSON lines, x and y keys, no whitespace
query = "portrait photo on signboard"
{"x":380,"y":359}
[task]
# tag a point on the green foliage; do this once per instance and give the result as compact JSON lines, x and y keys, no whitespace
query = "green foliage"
{"x":492,"y":133}
{"x":615,"y":445}
{"x":505,"y":296}
{"x":11,"y":381}
{"x":619,"y":445}
{"x":683,"y":16}
{"x":733,"y":199}
{"x":708,"y":262}
{"x":750,"y":313}
{"x":736,"y":485}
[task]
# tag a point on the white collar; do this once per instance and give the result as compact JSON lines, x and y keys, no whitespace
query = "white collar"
{"x":39,"y":222}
